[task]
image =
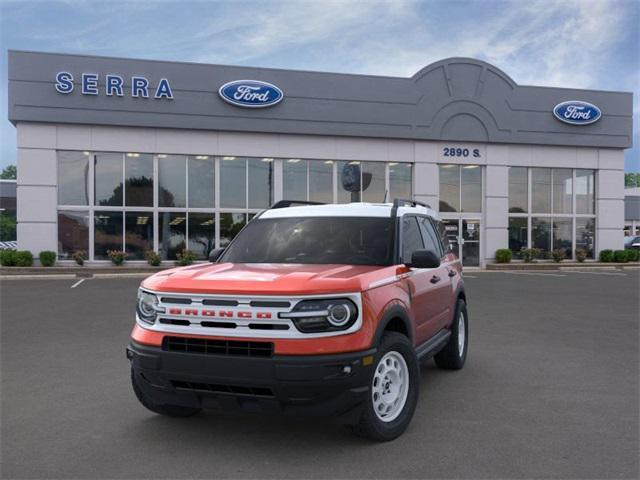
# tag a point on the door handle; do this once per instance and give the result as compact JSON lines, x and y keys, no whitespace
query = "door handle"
{"x":452,"y":273}
{"x":435,"y":279}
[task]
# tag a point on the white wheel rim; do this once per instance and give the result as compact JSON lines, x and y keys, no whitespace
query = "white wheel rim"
{"x":461,"y":334}
{"x":390,"y":386}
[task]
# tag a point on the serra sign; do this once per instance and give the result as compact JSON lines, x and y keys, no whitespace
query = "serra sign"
{"x":113,"y":85}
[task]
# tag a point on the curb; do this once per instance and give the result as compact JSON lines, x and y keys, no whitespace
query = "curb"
{"x":561,"y":266}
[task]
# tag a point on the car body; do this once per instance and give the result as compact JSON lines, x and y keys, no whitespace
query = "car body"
{"x":632,"y":242}
{"x":312,"y":310}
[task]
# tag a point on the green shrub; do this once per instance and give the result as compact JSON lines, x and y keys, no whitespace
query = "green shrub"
{"x":620,"y":256}
{"x":153,"y":258}
{"x":606,"y":256}
{"x":47,"y":258}
{"x":117,"y":257}
{"x":185,"y":257}
{"x":530,"y":254}
{"x":581,"y":254}
{"x":558,"y":255}
{"x":24,"y":258}
{"x":7,"y":258}
{"x":633,"y":255}
{"x":503,"y":255}
{"x":79,"y":256}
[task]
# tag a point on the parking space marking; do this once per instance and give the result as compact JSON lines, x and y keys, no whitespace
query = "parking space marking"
{"x":78,"y":283}
{"x":469,"y":276}
{"x":598,"y":273}
{"x":538,"y":274}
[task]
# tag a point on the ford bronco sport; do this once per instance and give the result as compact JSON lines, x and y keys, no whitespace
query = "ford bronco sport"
{"x":312,"y":309}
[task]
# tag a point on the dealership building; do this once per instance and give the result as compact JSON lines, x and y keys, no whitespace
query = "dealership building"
{"x":137,"y":155}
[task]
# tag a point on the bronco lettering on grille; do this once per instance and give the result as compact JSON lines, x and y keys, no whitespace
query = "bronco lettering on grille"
{"x":194,"y":312}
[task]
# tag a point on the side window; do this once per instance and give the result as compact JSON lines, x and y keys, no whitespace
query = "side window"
{"x":431,"y":241}
{"x":411,"y":238}
{"x":444,"y":238}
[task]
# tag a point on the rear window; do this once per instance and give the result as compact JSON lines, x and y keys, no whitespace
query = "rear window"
{"x":314,"y":240}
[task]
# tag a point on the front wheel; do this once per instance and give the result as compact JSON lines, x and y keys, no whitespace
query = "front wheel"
{"x":393,"y":395}
{"x":454,"y":354}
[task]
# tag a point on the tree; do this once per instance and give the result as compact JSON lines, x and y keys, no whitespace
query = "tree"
{"x":632,"y":180}
{"x":9,"y":173}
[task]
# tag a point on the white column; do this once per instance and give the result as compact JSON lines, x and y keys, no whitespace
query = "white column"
{"x":426,"y":178}
{"x":496,"y":210}
{"x":610,"y":200}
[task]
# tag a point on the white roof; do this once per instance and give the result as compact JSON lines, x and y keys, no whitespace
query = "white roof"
{"x":346,"y":210}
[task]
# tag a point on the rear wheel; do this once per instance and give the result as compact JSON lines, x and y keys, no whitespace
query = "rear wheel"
{"x":454,"y":354}
{"x":394,"y":390}
{"x":168,"y":410}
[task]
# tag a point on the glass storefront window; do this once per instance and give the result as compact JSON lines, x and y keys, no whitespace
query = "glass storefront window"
{"x":517,"y":235}
{"x":107,"y":233}
{"x":449,"y":188}
{"x":541,"y":235}
{"x":138,"y":174}
{"x":400,"y":179}
{"x":294,"y":178}
{"x":73,"y":178}
{"x":108,"y":179}
{"x":230,"y":226}
{"x":518,"y":190}
{"x":202,"y":234}
{"x":260,"y":182}
{"x":585,"y":192}
{"x":471,"y":188}
{"x":138,"y":236}
{"x":562,"y":235}
{"x":321,"y":181}
{"x":541,"y":190}
{"x":562,"y":190}
{"x":73,"y":233}
{"x":373,"y":182}
{"x":201,"y":181}
{"x":172,"y":234}
{"x":172,"y":185}
{"x":233,"y":182}
{"x":586,"y":234}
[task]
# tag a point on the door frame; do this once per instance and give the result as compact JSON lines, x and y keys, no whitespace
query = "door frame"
{"x":459,"y":217}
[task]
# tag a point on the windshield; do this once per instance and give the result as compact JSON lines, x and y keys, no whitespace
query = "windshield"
{"x":317,"y":240}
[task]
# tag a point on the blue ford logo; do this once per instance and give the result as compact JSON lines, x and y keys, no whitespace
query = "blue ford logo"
{"x":576,"y":112}
{"x":250,"y":93}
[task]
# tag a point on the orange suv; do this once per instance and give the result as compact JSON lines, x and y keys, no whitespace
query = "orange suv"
{"x":313,"y":310}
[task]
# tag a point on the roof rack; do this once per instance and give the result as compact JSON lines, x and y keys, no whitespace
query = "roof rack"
{"x":289,"y":203}
{"x":399,"y":202}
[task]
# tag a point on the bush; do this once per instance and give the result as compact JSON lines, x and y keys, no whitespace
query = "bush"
{"x":24,"y":258}
{"x":620,"y":256}
{"x":530,"y":254}
{"x":117,"y":256}
{"x":185,"y":257}
{"x":633,"y":255}
{"x":503,"y":255}
{"x":581,"y":254}
{"x":606,"y":256}
{"x":558,"y":255}
{"x":153,"y":258}
{"x":79,"y":256}
{"x":47,"y":258}
{"x":7,"y":258}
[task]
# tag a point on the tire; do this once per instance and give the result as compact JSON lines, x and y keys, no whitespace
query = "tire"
{"x":454,"y":354}
{"x":167,"y":410}
{"x":395,"y":355}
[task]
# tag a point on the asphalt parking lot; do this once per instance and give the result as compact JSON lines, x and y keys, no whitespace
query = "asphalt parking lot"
{"x":550,"y":390}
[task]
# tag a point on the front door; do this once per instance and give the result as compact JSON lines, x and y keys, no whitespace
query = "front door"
{"x":464,"y":238}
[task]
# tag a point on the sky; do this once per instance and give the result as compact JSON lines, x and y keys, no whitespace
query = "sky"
{"x":566,"y":43}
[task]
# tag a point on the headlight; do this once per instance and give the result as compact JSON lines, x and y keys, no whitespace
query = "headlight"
{"x":330,"y":315}
{"x":147,"y":307}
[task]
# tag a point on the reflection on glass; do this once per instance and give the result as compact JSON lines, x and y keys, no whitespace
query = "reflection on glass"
{"x":518,"y":190}
{"x":400,"y":180}
{"x":449,"y":188}
{"x":373,"y":183}
{"x":451,"y":232}
{"x":108,"y":179}
{"x":73,"y":233}
{"x":172,"y":181}
{"x":138,"y":173}
{"x":230,"y":226}
{"x":138,"y":234}
{"x":321,"y":181}
{"x":517,"y":236}
{"x":585,"y":192}
{"x":202,"y":182}
{"x":73,"y":178}
{"x":541,"y":235}
{"x":108,"y":233}
{"x":562,"y":190}
{"x":233,"y":182}
{"x":349,"y":176}
{"x":202,"y":234}
{"x":294,"y":179}
{"x":586,"y":234}
{"x":172,"y":234}
{"x":471,"y":188}
{"x":541,"y":190}
{"x":562,"y":234}
{"x":260,"y":182}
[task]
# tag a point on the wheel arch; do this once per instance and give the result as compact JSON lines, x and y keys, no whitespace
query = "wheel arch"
{"x":394,"y":319}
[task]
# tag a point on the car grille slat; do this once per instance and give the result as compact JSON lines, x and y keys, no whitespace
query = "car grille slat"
{"x":208,"y":346}
{"x":229,"y":389}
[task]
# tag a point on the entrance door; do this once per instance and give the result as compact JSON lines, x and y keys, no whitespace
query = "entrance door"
{"x":464,"y":238}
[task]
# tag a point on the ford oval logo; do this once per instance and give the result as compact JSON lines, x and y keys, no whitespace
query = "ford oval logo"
{"x":250,"y":93}
{"x":577,"y":112}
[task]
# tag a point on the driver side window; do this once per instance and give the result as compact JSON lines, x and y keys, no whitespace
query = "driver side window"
{"x":411,"y":238}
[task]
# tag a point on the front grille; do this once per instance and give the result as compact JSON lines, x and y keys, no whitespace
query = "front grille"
{"x":218,"y":347}
{"x":215,"y":388}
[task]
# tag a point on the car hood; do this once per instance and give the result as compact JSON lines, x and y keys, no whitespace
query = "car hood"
{"x":267,"y":278}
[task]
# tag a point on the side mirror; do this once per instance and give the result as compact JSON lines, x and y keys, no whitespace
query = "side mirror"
{"x":424,"y":259}
{"x":215,"y":254}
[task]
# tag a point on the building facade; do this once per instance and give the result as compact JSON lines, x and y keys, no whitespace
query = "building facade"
{"x":632,"y":211}
{"x":135,"y":155}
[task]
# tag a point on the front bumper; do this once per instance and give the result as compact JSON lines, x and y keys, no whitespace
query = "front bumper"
{"x":315,"y":385}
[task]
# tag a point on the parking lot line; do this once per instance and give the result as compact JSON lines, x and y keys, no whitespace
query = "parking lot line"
{"x":538,"y":274}
{"x":78,"y":283}
{"x":598,"y":273}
